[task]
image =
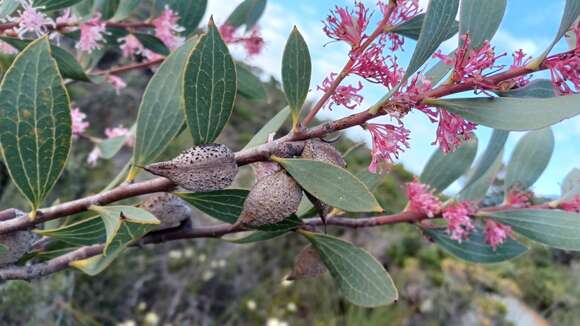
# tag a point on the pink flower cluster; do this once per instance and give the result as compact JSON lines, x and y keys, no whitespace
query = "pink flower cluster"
{"x":167,"y":29}
{"x":377,"y":68}
{"x":253,"y":42}
{"x":452,"y":130}
{"x":79,"y":125}
{"x":470,"y":65}
{"x":117,"y":82}
{"x":518,"y":198}
{"x":387,"y":142}
{"x":346,"y":96}
{"x":91,"y":34}
{"x":30,"y":20}
{"x":565,"y":68}
{"x":520,"y":59}
{"x":459,"y":224}
{"x":496,"y":233}
{"x":404,"y":11}
{"x":422,"y":199}
{"x":130,"y":46}
{"x":348,"y":26}
{"x":572,"y":205}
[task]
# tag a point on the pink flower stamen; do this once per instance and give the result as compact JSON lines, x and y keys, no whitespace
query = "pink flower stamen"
{"x":422,"y":200}
{"x":30,"y":20}
{"x":120,"y":131}
{"x":117,"y":82}
{"x":387,"y":143}
{"x":518,"y":198}
{"x":346,"y":96}
{"x":348,"y":26}
{"x":91,"y":34}
{"x":459,"y":224}
{"x":79,"y":125}
{"x":130,"y":46}
{"x":166,"y":28}
{"x":253,"y":42}
{"x":373,"y":66}
{"x":496,"y":233}
{"x":565,"y":68}
{"x":571,"y":205}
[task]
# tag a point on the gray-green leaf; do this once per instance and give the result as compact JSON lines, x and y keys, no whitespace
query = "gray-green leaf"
{"x":475,"y":249}
{"x":331,"y":184}
{"x":571,"y":13}
{"x":412,"y":28}
{"x":542,"y":88}
{"x":225,"y":205}
{"x":517,"y":114}
{"x":247,"y":13}
{"x":35,"y":122}
{"x":296,"y":71}
{"x":271,"y":126}
{"x":161,"y":114}
{"x":210,"y":87}
{"x":125,"y":9}
{"x":48,"y":5}
{"x":571,"y":180}
{"x":554,"y":228}
{"x":360,"y":277}
{"x":249,"y":85}
{"x":530,"y":158}
{"x":480,"y":19}
{"x":443,"y":169}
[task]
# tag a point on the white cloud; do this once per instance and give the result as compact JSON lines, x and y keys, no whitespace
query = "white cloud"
{"x":508,"y":42}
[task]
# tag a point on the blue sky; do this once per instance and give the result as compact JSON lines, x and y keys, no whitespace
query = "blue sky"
{"x":528,"y":24}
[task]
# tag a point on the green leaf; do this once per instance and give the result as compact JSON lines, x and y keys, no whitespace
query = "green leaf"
{"x":360,"y":277}
{"x":412,"y":28}
{"x":331,"y":184}
{"x":7,"y":7}
{"x":290,"y":223}
{"x":443,"y":169}
{"x":270,"y":127}
{"x":440,"y":15}
{"x":542,"y":88}
{"x":125,"y":9}
{"x":110,"y":147}
{"x":107,"y":8}
{"x":554,"y":228}
{"x":67,"y":64}
{"x":3,"y":249}
{"x":210,"y":87}
{"x":127,"y":234}
{"x":258,"y":236}
{"x":35,"y":122}
{"x":517,"y":114}
{"x":571,"y":13}
{"x":83,"y":233}
{"x":161,"y":114}
{"x":84,"y":8}
{"x":475,"y":249}
{"x":571,"y":180}
{"x":225,"y":205}
{"x":480,"y":19}
{"x":482,"y":175}
{"x":247,"y":13}
{"x":49,"y":5}
{"x":530,"y":158}
{"x":152,"y":43}
{"x":296,"y":71}
{"x":249,"y":85}
{"x":190,"y":12}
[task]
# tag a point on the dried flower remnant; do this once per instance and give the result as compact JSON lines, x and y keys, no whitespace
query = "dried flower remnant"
{"x":470,"y":65}
{"x":166,"y":28}
{"x":31,"y":20}
{"x":130,"y":46}
{"x":91,"y":34}
{"x":459,"y":224}
{"x":346,"y":96}
{"x":422,"y":199}
{"x":496,"y":233}
{"x":348,"y":26}
{"x":387,"y":143}
{"x":79,"y":125}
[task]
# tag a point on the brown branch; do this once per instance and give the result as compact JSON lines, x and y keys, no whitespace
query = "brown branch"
{"x":133,"y":66}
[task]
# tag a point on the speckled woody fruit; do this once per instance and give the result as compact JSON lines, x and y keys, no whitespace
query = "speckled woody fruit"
{"x":199,"y":169}
{"x":168,"y":208}
{"x":317,"y":150}
{"x":17,"y":245}
{"x":307,"y":264}
{"x":271,"y":200}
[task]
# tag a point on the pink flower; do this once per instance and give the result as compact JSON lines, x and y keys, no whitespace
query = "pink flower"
{"x":518,"y":198}
{"x":459,"y":224}
{"x":520,"y":60}
{"x":7,"y":48}
{"x":117,"y":82}
{"x":470,"y":65}
{"x":404,"y":11}
{"x":31,"y":20}
{"x":67,"y":18}
{"x":348,"y":26}
{"x":94,"y":156}
{"x":253,"y":43}
{"x":166,"y":28}
{"x":120,"y":131}
{"x":422,"y":200}
{"x":410,"y":94}
{"x":496,"y":233}
{"x":572,"y":205}
{"x":387,"y":142}
{"x":91,"y":34}
{"x":79,"y":125}
{"x":346,"y":96}
{"x":452,"y":130}
{"x":373,"y":66}
{"x":130,"y":46}
{"x":565,"y":68}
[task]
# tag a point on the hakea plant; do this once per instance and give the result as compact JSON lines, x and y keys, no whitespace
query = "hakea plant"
{"x":195,"y":84}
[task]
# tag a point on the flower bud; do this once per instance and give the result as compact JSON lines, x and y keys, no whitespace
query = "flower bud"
{"x":169,"y":209}
{"x":202,"y":168}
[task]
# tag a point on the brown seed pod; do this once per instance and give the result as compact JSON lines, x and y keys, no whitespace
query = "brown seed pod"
{"x":202,"y":168}
{"x":307,"y":264}
{"x":18,"y":244}
{"x":271,"y":200}
{"x":168,"y":208}
{"x":317,"y":150}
